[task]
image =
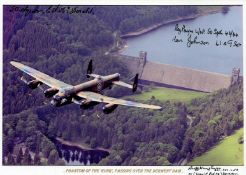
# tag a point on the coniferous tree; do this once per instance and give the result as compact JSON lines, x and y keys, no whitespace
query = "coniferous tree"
{"x":37,"y":160}
{"x":53,"y":157}
{"x":19,"y":157}
{"x":10,"y":159}
{"x":27,"y":160}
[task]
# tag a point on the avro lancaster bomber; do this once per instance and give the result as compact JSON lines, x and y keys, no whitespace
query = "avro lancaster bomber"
{"x":86,"y":94}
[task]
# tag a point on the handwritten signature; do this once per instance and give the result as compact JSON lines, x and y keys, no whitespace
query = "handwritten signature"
{"x":27,"y":10}
{"x":193,"y":36}
{"x":212,"y":170}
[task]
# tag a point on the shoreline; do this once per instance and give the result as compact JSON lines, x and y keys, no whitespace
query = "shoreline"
{"x":81,"y":146}
{"x":156,"y":26}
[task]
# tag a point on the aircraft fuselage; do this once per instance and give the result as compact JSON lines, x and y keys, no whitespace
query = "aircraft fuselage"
{"x":97,"y":85}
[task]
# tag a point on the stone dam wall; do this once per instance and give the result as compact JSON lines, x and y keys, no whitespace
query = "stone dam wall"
{"x":175,"y":76}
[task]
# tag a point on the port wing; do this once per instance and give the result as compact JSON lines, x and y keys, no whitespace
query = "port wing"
{"x":104,"y":99}
{"x":46,"y":79}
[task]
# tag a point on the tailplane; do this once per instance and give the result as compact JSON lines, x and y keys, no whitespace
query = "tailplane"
{"x":133,"y":87}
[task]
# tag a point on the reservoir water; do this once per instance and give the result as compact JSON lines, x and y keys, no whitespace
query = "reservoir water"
{"x":161,"y":48}
{"x":73,"y":154}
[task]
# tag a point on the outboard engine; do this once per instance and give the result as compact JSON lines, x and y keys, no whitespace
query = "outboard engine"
{"x":34,"y":84}
{"x":31,"y":84}
{"x":109,"y":108}
{"x":50,"y":92}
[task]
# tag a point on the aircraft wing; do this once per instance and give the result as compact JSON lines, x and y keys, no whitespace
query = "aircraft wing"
{"x":46,"y":79}
{"x":104,"y":99}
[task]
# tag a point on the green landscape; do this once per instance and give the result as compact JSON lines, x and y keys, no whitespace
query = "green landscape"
{"x":171,"y":94}
{"x":227,"y":152}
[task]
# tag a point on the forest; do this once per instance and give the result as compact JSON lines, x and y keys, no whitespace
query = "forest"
{"x":61,"y":45}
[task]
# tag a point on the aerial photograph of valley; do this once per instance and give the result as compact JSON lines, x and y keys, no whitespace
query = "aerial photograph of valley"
{"x":142,"y":85}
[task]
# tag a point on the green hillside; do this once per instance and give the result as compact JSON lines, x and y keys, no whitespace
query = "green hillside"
{"x":227,"y":152}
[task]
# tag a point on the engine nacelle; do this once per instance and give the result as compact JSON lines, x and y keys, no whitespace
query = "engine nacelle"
{"x":34,"y":84}
{"x":60,"y":101}
{"x":86,"y":104}
{"x":109,"y":108}
{"x":50,"y":92}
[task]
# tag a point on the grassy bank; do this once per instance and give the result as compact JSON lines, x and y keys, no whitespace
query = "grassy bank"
{"x":164,"y":94}
{"x":227,"y":152}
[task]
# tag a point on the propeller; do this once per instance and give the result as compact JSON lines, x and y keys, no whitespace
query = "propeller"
{"x":89,"y":69}
{"x":41,"y":88}
{"x":24,"y":79}
{"x":135,"y":83}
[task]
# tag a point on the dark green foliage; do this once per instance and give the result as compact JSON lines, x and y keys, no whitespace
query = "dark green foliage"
{"x":114,"y":15}
{"x":37,"y":160}
{"x":53,"y":157}
{"x":154,"y":154}
{"x":8,"y":144}
{"x":12,"y":23}
{"x":47,"y":146}
{"x":19,"y":157}
{"x":27,"y":159}
{"x":131,"y":18}
{"x":10,"y":159}
{"x":93,"y":143}
{"x":240,"y":140}
{"x":60,"y":162}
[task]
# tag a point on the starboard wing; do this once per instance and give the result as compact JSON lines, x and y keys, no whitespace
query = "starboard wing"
{"x":46,"y":79}
{"x":104,"y":99}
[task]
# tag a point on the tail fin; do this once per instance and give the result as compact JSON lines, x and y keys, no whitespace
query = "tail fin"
{"x":135,"y":83}
{"x":89,"y":69}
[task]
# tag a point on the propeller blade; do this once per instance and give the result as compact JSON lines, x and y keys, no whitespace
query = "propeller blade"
{"x":24,"y":80}
{"x":135,"y":83}
{"x":89,"y":69}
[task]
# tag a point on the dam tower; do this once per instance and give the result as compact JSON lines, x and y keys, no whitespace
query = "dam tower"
{"x":235,"y":75}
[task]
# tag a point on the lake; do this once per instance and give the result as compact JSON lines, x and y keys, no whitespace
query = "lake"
{"x":161,"y":48}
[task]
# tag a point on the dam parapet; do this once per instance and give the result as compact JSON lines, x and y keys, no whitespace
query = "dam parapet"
{"x":175,"y":76}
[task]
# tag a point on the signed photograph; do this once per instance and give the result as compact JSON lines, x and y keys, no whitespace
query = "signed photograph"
{"x":122,"y":85}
